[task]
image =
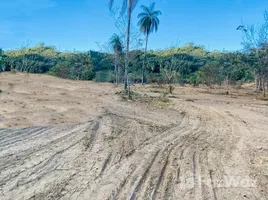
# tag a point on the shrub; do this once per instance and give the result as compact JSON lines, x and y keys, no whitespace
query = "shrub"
{"x":104,"y":76}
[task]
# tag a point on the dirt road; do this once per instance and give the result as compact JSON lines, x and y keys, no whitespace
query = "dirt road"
{"x":200,"y":146}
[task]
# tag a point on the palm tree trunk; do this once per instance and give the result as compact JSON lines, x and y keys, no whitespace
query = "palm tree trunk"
{"x":127,"y":47}
{"x":143,"y":64}
{"x":115,"y":71}
{"x":116,"y":68}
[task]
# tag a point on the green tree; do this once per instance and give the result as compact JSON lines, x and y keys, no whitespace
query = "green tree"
{"x":117,"y":45}
{"x":128,"y":5}
{"x":77,"y":66}
{"x":148,"y":22}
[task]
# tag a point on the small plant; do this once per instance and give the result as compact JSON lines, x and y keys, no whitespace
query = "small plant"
{"x":183,"y":113}
{"x":1,"y":91}
{"x":164,"y":98}
{"x":13,"y":70}
{"x":125,"y":94}
{"x":262,"y":98}
{"x":11,"y":85}
{"x":171,"y":88}
{"x":87,"y":142}
{"x":191,"y":100}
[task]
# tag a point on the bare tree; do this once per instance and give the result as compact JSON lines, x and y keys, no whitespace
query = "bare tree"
{"x":255,"y":41}
{"x":120,"y":22}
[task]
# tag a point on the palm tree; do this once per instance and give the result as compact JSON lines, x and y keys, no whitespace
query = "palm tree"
{"x":148,"y":22}
{"x":128,"y":5}
{"x":117,"y":45}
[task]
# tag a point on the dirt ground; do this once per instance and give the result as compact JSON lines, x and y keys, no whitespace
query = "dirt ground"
{"x":63,"y":139}
{"x":41,"y":100}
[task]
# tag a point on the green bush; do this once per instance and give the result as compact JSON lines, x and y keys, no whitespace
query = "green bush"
{"x":104,"y":76}
{"x":194,"y":79}
{"x":74,"y":66}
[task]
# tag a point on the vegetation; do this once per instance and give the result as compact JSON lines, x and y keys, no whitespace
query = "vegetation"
{"x":148,"y":22}
{"x":255,"y":41}
{"x":159,"y":101}
{"x":189,"y":64}
{"x":128,"y":5}
{"x":117,"y":45}
{"x":46,"y":59}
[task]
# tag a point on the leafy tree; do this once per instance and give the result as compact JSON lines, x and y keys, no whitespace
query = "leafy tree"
{"x":194,"y":78}
{"x":210,"y":74}
{"x":148,"y":22}
{"x":78,"y":66}
{"x":135,"y":62}
{"x":101,"y":61}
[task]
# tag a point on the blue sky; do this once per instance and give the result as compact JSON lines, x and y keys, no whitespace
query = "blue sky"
{"x":79,"y":24}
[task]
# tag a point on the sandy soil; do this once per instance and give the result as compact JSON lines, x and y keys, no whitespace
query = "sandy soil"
{"x":202,"y":145}
{"x":40,"y":100}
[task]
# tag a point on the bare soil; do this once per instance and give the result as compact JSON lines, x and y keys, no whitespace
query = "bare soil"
{"x":63,"y":139}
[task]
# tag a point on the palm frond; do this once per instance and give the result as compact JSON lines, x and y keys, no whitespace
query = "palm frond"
{"x":116,"y":43}
{"x":111,"y":2}
{"x":148,"y":19}
{"x":125,"y":4}
{"x":145,"y":9}
{"x":152,"y":6}
{"x":157,"y":12}
{"x":141,"y":15}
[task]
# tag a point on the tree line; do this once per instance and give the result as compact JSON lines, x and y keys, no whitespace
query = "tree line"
{"x":188,"y":64}
{"x":208,"y":68}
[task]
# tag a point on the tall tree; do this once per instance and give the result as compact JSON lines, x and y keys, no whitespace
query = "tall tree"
{"x":117,"y":45}
{"x":127,"y":5}
{"x":255,"y":41}
{"x":148,"y":22}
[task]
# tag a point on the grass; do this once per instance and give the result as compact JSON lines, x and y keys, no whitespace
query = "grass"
{"x":262,"y":98}
{"x":160,"y":101}
{"x":156,"y":91}
{"x":162,"y":89}
{"x":134,"y":96}
{"x":191,"y":100}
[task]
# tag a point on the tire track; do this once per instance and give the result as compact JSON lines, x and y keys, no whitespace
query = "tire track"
{"x":143,"y":177}
{"x":121,"y":157}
